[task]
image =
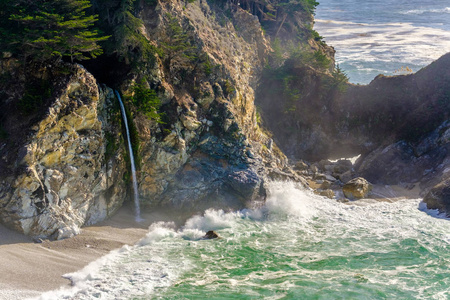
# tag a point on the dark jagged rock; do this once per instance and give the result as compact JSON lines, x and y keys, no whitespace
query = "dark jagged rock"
{"x":211,"y":235}
{"x":439,"y":197}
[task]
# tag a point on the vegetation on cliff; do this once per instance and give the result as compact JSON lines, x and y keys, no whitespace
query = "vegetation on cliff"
{"x":146,"y":101}
{"x":42,"y":30}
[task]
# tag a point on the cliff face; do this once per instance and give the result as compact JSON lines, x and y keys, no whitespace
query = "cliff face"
{"x":208,"y":153}
{"x":64,"y":164}
{"x":57,"y":173}
{"x":354,"y":119}
{"x":398,"y":124}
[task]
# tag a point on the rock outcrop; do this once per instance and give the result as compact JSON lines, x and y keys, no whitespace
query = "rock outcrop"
{"x":207,"y":155}
{"x":357,"y":188}
{"x":61,"y":174}
{"x":212,"y":151}
{"x":439,"y":197}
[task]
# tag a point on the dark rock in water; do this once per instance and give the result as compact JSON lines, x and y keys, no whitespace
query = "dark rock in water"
{"x":439,"y":197}
{"x":357,"y":188}
{"x":210,"y":235}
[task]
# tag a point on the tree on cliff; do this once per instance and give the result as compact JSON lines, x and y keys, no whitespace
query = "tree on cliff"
{"x":41,"y":30}
{"x":177,"y":44}
{"x":119,"y":19}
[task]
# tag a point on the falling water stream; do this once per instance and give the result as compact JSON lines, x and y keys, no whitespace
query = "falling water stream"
{"x":133,"y":166}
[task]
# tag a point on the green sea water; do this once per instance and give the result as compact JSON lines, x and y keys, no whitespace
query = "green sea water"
{"x":298,"y":246}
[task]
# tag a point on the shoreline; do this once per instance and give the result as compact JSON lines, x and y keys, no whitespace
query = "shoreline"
{"x":30,"y":269}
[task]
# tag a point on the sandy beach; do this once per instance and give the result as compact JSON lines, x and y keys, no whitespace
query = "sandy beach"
{"x":29,"y":268}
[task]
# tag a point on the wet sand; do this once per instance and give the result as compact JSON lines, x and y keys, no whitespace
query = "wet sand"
{"x":27,"y":268}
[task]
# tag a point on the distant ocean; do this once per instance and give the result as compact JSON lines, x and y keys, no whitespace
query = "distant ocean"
{"x":374,"y":37}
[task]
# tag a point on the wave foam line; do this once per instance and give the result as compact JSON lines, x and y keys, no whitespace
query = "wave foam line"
{"x":423,"y":11}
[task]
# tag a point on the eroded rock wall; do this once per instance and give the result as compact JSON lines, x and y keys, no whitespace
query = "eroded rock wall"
{"x":211,"y":152}
{"x":62,"y":173}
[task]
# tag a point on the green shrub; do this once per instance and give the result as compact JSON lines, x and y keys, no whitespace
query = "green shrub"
{"x":321,"y":60}
{"x":340,"y":79}
{"x":146,"y":101}
{"x":229,"y":89}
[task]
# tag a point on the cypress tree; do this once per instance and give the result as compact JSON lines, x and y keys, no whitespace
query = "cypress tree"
{"x":41,"y":30}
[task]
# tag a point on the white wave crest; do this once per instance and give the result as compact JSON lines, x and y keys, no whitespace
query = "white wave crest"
{"x":423,"y":11}
{"x":80,"y":280}
{"x":290,"y":199}
{"x":212,"y":220}
{"x":157,"y":232}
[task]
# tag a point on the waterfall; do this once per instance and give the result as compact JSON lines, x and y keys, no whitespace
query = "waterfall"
{"x":133,"y":166}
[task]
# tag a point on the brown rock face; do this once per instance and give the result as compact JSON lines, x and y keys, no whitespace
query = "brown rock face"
{"x":211,"y":152}
{"x":439,"y":197}
{"x":357,"y":188}
{"x":66,"y":172}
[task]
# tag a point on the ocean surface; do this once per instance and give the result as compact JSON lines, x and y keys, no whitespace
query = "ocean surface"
{"x":387,"y":37}
{"x":297,"y":246}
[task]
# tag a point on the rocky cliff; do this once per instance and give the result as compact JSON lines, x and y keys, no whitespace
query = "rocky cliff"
{"x":57,"y":168}
{"x":398,"y":124}
{"x":64,"y":164}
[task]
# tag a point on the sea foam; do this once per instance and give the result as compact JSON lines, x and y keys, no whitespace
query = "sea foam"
{"x":296,"y":245}
{"x":424,"y":11}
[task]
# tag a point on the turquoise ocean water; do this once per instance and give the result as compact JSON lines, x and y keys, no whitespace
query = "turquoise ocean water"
{"x":374,"y":37}
{"x":298,"y":246}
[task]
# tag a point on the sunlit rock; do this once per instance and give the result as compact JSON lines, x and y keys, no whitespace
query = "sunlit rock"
{"x":357,"y":188}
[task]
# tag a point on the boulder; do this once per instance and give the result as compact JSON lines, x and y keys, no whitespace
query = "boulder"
{"x":300,"y":166}
{"x":439,"y":197}
{"x":210,"y":235}
{"x":357,"y":188}
{"x":346,"y":177}
{"x":341,"y":166}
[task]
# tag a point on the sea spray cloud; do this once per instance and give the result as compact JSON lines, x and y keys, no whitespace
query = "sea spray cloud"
{"x":287,"y":198}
